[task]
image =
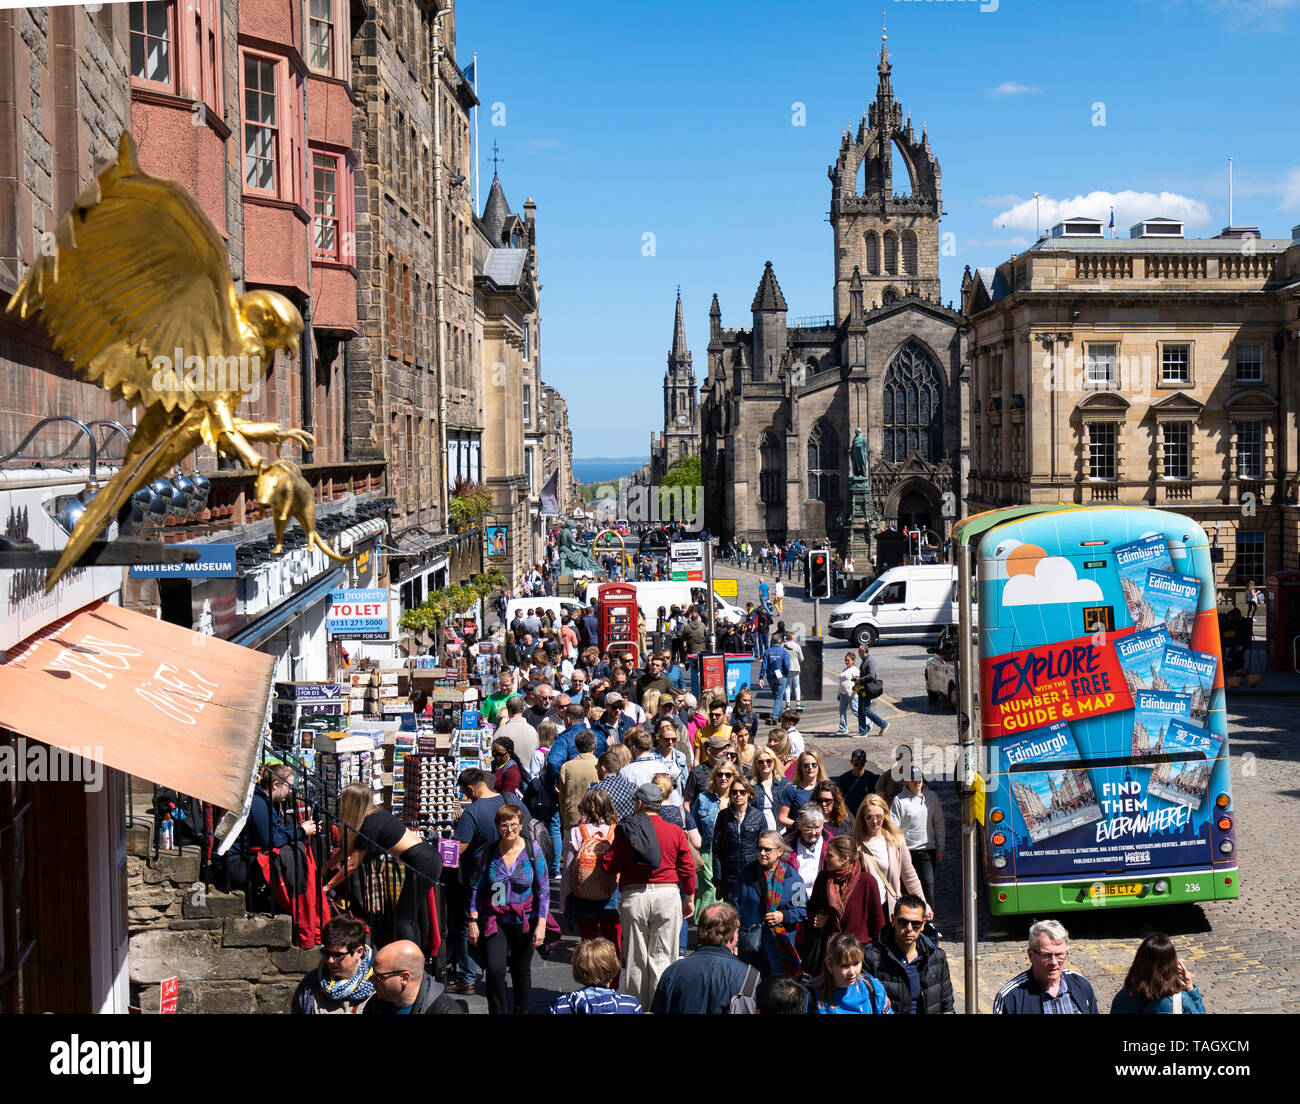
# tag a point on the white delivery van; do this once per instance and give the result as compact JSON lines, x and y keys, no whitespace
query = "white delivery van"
{"x":651,"y":595}
{"x":555,"y":605}
{"x":905,"y":603}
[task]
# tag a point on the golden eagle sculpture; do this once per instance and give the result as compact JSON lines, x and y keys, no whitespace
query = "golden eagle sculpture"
{"x":138,"y":278}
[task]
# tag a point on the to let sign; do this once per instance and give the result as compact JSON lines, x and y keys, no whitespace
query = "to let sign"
{"x":358,"y":614}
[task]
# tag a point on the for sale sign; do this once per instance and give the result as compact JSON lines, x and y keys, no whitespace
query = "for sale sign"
{"x":358,"y":614}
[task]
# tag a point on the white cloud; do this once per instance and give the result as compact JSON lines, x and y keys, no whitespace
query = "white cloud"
{"x":1267,"y":14}
{"x":1052,"y":583}
{"x":1018,"y":242}
{"x":1129,"y":206}
{"x":1291,"y":191}
{"x":1012,"y":88}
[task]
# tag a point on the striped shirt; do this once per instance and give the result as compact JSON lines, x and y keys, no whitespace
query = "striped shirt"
{"x":595,"y":1001}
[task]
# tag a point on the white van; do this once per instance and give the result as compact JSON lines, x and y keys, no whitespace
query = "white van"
{"x":904,"y":603}
{"x":651,"y":595}
{"x":555,"y":605}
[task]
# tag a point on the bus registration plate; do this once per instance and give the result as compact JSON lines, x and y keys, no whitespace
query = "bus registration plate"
{"x":1116,"y":889}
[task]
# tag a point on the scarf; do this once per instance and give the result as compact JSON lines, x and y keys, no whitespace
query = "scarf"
{"x":774,"y":880}
{"x":357,"y":988}
{"x":840,"y":888}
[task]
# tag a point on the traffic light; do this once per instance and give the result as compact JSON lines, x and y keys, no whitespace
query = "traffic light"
{"x":819,"y":574}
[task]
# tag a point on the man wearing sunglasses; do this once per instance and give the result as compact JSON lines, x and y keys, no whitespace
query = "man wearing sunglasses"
{"x":910,"y":965}
{"x":404,"y":988}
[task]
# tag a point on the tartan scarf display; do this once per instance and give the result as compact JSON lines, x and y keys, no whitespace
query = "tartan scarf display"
{"x":775,"y":883}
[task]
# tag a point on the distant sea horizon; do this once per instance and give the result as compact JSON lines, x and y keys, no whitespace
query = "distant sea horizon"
{"x":605,"y":469}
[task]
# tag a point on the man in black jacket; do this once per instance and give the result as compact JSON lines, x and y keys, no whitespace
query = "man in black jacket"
{"x":401,"y":983}
{"x":911,"y":966}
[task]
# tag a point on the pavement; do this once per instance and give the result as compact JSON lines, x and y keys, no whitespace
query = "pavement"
{"x":1244,"y":954}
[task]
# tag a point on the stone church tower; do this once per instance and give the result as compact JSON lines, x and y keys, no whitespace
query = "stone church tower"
{"x":681,"y":434}
{"x":886,"y":228}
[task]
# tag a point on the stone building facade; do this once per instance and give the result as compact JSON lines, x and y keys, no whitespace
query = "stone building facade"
{"x":1154,"y":370}
{"x":505,"y":326}
{"x":783,"y":397}
{"x":412,"y":376}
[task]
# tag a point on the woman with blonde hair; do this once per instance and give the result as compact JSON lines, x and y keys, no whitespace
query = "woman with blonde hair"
{"x":778,"y":740}
{"x":367,"y":829}
{"x":708,"y":803}
{"x":808,"y":772}
{"x":885,"y":855}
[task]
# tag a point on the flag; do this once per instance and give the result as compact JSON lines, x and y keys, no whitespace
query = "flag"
{"x":1112,"y":222}
{"x":469,"y":73}
{"x":551,"y":495}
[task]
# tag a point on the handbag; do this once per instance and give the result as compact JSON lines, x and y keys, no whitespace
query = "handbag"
{"x":749,"y":946}
{"x":813,"y":955}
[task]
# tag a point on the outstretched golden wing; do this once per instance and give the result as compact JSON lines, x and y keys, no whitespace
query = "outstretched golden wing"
{"x":138,"y":272}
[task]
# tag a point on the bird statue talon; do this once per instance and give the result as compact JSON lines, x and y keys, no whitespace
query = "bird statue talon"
{"x":281,"y":488}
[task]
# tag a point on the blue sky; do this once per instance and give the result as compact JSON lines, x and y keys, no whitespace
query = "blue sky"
{"x":676,"y":119}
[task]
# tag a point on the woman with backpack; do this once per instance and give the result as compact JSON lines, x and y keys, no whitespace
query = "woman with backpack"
{"x":1158,"y":983}
{"x":508,"y":905}
{"x":591,"y":897}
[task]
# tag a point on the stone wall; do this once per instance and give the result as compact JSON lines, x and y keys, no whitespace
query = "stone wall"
{"x":226,"y":960}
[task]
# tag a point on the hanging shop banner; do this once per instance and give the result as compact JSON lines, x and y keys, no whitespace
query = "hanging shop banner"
{"x":216,"y":561}
{"x":358,"y":614}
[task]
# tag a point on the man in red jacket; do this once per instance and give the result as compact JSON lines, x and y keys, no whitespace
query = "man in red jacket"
{"x":653,"y":862}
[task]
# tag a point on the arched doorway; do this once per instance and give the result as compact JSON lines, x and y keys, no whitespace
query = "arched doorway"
{"x":915,"y":511}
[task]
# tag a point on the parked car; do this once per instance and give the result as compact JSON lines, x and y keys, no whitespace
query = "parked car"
{"x":941,"y":669}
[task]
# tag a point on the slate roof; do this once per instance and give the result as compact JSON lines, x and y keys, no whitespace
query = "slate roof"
{"x":768,"y":296}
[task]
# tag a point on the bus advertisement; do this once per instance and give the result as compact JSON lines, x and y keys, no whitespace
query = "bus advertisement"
{"x":1101,"y":711}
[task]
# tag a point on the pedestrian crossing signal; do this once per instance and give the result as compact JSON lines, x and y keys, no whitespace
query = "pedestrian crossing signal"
{"x":819,"y":575}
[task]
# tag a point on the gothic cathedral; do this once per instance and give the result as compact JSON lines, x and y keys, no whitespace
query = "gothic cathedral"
{"x":782,"y":400}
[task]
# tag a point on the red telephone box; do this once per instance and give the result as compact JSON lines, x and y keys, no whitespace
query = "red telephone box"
{"x":616,"y":618}
{"x":1282,"y":616}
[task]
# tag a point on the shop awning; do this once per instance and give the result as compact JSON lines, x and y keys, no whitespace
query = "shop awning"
{"x":153,"y":699}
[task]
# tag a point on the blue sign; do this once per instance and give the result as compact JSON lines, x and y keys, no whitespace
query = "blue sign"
{"x":358,"y":614}
{"x":216,"y":561}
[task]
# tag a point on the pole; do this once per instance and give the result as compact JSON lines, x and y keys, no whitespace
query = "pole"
{"x":708,"y":588}
{"x":816,"y":606}
{"x":477,"y":208}
{"x":966,"y":780}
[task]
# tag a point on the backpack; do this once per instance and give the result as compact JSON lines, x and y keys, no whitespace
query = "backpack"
{"x":590,"y":883}
{"x":538,"y":837}
{"x":743,"y":1003}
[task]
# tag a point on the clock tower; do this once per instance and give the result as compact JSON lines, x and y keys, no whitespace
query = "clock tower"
{"x":681,"y":435}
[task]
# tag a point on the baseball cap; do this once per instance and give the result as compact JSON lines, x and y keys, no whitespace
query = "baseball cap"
{"x":650,"y":794}
{"x":717,"y":743}
{"x":613,"y":698}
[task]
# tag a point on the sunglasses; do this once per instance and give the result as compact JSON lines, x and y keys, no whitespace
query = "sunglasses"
{"x":899,"y":922}
{"x":726,"y":774}
{"x":384,"y":977}
{"x":738,"y":793}
{"x":337,"y":956}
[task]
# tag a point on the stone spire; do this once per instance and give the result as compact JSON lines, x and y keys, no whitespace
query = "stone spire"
{"x":768,"y":297}
{"x":679,"y":352}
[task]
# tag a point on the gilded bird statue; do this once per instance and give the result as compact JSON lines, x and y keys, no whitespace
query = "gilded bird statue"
{"x":136,"y":293}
